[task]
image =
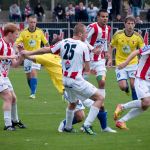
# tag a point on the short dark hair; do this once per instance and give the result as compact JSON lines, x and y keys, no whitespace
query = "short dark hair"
{"x":130,"y":17}
{"x":79,"y":28}
{"x":100,"y":11}
{"x":10,"y":27}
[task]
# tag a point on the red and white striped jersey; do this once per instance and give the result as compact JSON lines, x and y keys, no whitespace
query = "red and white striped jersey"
{"x":5,"y":50}
{"x":98,"y":36}
{"x":143,"y":70}
{"x":73,"y":53}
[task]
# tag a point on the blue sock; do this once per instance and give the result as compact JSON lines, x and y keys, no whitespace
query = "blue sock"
{"x":102,"y":117}
{"x":73,"y":122}
{"x":134,"y":96}
{"x":33,"y":84}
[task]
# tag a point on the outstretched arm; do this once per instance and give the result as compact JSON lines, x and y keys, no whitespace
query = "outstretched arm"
{"x":130,"y":57}
{"x":42,"y":50}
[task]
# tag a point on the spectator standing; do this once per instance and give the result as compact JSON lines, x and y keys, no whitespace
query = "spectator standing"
{"x":135,"y":7}
{"x":81,"y":13}
{"x":70,"y":12}
{"x":15,"y":13}
{"x":59,"y":12}
{"x":92,"y":12}
{"x":39,"y":12}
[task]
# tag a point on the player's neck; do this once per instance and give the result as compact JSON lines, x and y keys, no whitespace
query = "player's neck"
{"x":128,"y":33}
{"x":31,"y":30}
{"x":76,"y":37}
{"x":6,"y":39}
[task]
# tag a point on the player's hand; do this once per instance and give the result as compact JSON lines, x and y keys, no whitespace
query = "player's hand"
{"x":13,"y":57}
{"x":24,"y":52}
{"x":92,"y":71}
{"x":20,"y":47}
{"x":109,"y":63}
{"x":121,"y":66}
{"x":97,"y":50}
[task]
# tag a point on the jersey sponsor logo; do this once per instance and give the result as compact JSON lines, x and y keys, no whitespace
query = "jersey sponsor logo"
{"x":32,"y":43}
{"x":67,"y":65}
{"x":126,"y":49}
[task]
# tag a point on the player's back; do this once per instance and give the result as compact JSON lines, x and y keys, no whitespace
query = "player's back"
{"x":73,"y":53}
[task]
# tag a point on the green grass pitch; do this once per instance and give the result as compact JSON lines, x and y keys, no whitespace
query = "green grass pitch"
{"x":43,"y":115}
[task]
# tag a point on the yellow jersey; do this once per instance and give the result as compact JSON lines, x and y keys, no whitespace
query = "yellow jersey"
{"x":125,"y":45}
{"x":52,"y":63}
{"x":32,"y":40}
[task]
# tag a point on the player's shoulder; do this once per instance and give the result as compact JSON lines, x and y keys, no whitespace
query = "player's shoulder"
{"x":118,"y":33}
{"x":39,"y":30}
{"x":137,"y":34}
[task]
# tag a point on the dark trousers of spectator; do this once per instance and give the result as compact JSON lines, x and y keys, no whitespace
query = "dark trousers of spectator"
{"x":116,"y":5}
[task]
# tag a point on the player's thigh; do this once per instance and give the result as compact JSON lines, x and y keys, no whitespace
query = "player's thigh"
{"x":142,"y":88}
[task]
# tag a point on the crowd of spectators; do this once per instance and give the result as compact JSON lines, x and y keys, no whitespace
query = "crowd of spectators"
{"x":117,"y":9}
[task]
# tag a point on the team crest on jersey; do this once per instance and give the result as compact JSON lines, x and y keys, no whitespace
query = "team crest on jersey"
{"x":32,"y":43}
{"x":126,"y":49}
{"x":67,"y":65}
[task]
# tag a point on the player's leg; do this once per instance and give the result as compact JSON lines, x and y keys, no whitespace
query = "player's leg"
{"x":33,"y":82}
{"x":7,"y":105}
{"x":122,"y":77}
{"x":94,"y":110}
{"x":131,"y":75}
{"x":14,"y":113}
{"x":78,"y":116}
{"x":138,"y":106}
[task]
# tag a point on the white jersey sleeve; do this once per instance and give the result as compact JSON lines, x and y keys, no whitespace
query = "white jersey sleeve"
{"x":89,"y":45}
{"x":56,"y":48}
{"x":145,"y":50}
{"x":90,"y":30}
{"x":86,"y":53}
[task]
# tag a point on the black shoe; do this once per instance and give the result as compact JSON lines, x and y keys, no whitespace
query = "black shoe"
{"x":18,"y":124}
{"x":9,"y":128}
{"x":72,"y":130}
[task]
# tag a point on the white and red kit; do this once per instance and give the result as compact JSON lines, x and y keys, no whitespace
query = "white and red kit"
{"x":5,"y":50}
{"x":98,"y":36}
{"x":74,"y":53}
{"x":142,"y":81}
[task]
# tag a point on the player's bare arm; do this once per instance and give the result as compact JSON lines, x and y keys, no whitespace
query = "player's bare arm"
{"x":130,"y":57}
{"x":109,"y":56}
{"x":42,"y":50}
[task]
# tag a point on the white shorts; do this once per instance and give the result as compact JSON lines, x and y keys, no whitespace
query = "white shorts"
{"x":29,"y":65}
{"x":99,"y":67}
{"x":5,"y":84}
{"x":78,"y":89}
{"x":79,"y":106}
{"x":125,"y":73}
{"x":142,"y":88}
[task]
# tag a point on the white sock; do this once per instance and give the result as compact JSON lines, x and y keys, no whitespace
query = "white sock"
{"x":69,"y":118}
{"x":7,"y":118}
{"x":91,"y":116}
{"x":102,"y":92}
{"x":132,"y":104}
{"x":131,"y":114}
{"x":14,"y":113}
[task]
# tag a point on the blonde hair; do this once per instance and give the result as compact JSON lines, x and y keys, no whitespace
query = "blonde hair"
{"x":10,"y":27}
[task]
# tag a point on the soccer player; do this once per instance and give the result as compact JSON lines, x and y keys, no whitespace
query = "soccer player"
{"x":75,"y":54}
{"x":126,"y":41}
{"x":99,"y":35}
{"x":142,"y":87}
{"x":32,"y":37}
{"x":9,"y":58}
